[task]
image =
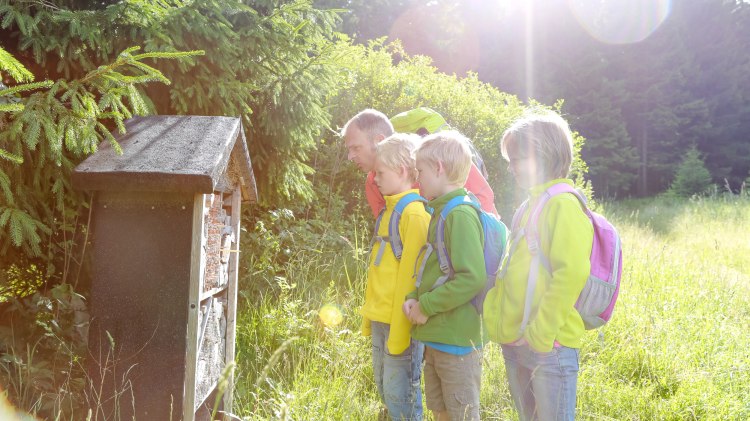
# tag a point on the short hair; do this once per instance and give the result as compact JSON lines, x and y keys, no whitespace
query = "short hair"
{"x":398,"y":150}
{"x":369,"y":121}
{"x":452,"y":149}
{"x":543,"y":135}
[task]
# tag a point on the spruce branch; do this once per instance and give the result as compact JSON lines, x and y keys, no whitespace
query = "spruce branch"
{"x":5,"y":186}
{"x":11,"y":108}
{"x":25,"y":87}
{"x":11,"y":157}
{"x":170,"y":55}
{"x":14,"y":68}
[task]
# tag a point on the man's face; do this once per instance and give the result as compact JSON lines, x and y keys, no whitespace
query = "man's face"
{"x":361,"y":148}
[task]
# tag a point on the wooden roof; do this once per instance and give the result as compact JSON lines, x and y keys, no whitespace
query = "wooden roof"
{"x":198,"y":154}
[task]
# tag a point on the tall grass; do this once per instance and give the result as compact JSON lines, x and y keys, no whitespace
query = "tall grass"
{"x":292,"y":365}
{"x":676,"y":349}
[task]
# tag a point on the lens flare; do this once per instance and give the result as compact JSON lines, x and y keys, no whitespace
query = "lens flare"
{"x":330,"y":315}
{"x":620,"y":21}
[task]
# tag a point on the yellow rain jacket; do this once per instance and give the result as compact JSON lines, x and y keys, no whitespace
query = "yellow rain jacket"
{"x":389,"y":282}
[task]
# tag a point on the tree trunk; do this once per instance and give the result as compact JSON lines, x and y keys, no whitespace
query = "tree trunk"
{"x":643,"y":182}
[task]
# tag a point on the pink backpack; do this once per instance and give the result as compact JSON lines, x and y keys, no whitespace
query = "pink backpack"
{"x":597,"y":300}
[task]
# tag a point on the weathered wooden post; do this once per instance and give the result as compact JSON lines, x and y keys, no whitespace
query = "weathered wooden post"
{"x":165,"y":240}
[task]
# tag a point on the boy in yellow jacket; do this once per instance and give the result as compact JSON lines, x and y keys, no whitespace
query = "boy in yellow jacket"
{"x":396,"y":357}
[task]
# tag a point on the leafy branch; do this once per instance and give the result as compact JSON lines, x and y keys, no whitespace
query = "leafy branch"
{"x":62,"y":121}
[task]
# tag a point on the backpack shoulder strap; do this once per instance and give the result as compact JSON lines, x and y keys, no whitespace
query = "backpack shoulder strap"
{"x":378,"y":238}
{"x":442,"y":251}
{"x":558,"y":188}
{"x":531,"y":231}
{"x":567,"y":188}
{"x":406,"y":200}
{"x":393,"y":232}
{"x":516,"y":233}
{"x":516,"y":223}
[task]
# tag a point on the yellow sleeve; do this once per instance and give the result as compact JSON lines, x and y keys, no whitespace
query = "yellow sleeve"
{"x":413,"y":230}
{"x":566,"y":238}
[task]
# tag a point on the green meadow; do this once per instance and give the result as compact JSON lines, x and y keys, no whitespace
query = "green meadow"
{"x":676,"y":349}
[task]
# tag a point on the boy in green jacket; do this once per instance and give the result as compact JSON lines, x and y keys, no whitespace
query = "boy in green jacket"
{"x":444,"y":317}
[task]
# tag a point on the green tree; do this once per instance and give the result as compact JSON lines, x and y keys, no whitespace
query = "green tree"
{"x":269,"y":62}
{"x":46,"y":132}
{"x":720,"y":38}
{"x":608,"y":151}
{"x":692,"y":177}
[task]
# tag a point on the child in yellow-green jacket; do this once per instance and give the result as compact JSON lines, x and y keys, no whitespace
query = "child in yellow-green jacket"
{"x":396,"y":357}
{"x":541,"y":353}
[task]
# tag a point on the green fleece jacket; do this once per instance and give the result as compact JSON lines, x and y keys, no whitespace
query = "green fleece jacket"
{"x":566,"y":236}
{"x":452,"y":319}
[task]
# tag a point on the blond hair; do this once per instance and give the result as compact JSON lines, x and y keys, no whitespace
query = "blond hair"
{"x":397,"y":151}
{"x":544,"y":136}
{"x":452,"y":149}
{"x":371,"y":122}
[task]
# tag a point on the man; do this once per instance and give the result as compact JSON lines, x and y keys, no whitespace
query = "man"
{"x":361,"y":133}
{"x":366,"y":129}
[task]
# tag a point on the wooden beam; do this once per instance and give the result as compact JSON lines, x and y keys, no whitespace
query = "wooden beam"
{"x":234,"y":262}
{"x":197,"y":267}
{"x":212,"y":292}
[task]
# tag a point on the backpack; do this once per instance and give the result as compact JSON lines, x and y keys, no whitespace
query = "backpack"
{"x":495,"y":239}
{"x":394,"y":237}
{"x":476,"y":158}
{"x":424,"y":121}
{"x":597,"y":300}
{"x":421,"y":120}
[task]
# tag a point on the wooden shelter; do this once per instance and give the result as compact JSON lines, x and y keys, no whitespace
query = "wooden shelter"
{"x":165,"y":245}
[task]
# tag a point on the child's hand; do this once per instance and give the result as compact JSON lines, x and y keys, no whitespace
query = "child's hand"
{"x":416,"y":316}
{"x":407,"y":306}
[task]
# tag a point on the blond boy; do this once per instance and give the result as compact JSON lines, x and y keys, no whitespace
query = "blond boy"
{"x":396,"y":357}
{"x":444,"y":317}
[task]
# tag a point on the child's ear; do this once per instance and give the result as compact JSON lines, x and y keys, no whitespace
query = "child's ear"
{"x":440,"y":168}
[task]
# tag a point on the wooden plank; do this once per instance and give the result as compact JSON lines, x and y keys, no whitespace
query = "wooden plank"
{"x":212,"y":292}
{"x":234,"y":262}
{"x":197,"y":262}
{"x":208,"y":395}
